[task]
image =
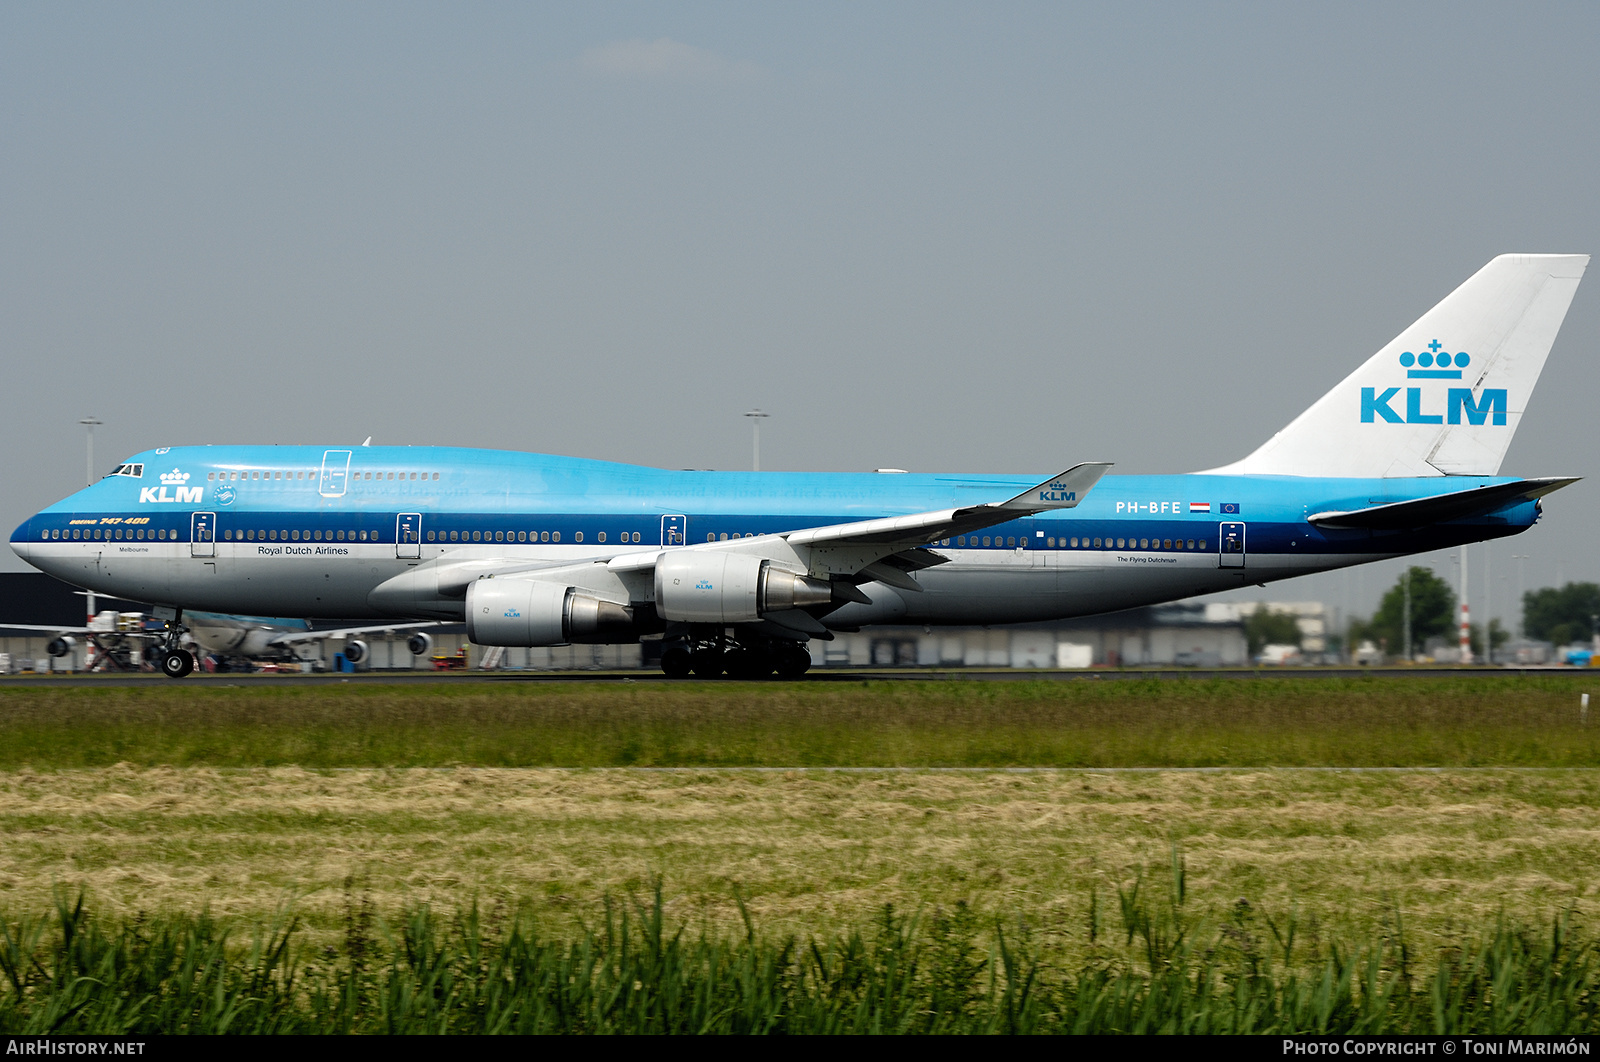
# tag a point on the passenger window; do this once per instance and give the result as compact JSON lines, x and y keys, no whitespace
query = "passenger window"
{"x":544,"y":536}
{"x":578,"y":537}
{"x":211,"y":475}
{"x":601,"y":538}
{"x":636,"y":536}
{"x":436,"y":475}
{"x":1190,"y":545}
{"x":1010,"y":542}
{"x":1202,"y":543}
{"x":277,"y":475}
{"x":555,"y":536}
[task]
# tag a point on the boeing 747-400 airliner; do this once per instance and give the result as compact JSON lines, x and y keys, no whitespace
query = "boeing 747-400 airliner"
{"x":738,"y":570}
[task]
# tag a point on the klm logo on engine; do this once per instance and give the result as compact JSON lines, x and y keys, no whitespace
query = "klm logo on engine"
{"x":704,"y":584}
{"x":1435,"y":363}
{"x":172,"y":481}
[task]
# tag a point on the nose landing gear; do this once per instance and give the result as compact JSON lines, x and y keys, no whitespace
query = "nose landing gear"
{"x":175,"y":661}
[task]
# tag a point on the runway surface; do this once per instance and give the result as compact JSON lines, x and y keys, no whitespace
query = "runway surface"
{"x":834,"y":675}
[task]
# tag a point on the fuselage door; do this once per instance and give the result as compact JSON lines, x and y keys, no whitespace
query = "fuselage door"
{"x":674,"y":530}
{"x":408,"y":536}
{"x":202,"y":534}
{"x":1230,"y":545}
{"x":335,"y":473}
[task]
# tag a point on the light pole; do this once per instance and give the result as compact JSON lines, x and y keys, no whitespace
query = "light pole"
{"x":1522,"y":631}
{"x":756,"y":417}
{"x":1405,"y":621}
{"x":88,"y":473}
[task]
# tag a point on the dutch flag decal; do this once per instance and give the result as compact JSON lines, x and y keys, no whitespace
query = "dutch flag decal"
{"x":1199,"y":507}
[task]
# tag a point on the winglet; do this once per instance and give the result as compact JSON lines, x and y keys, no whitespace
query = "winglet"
{"x":1059,"y":492}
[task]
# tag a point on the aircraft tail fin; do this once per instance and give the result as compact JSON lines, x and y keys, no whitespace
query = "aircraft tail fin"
{"x":1446,"y":395}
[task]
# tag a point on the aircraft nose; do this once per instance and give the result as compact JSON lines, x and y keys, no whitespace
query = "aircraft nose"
{"x":22,"y":539}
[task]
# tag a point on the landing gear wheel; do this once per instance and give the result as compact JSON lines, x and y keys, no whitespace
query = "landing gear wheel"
{"x":793,"y":662}
{"x":747,"y":664}
{"x":177,"y":664}
{"x":706,"y":664}
{"x":676,"y":662}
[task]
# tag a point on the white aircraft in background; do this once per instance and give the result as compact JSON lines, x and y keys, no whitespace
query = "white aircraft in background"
{"x":112,"y":636}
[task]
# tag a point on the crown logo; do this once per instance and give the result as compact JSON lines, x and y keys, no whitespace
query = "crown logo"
{"x":174,"y":478}
{"x":1434,"y":363}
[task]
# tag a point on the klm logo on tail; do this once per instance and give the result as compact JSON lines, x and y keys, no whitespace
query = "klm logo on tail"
{"x":1434,"y":363}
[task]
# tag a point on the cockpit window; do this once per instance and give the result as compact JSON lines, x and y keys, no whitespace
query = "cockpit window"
{"x":135,"y":471}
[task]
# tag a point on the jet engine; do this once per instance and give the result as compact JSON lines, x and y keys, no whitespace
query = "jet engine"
{"x":419,"y":644}
{"x":525,"y":612}
{"x":355,"y":650}
{"x":61,"y":646}
{"x":694,"y":586}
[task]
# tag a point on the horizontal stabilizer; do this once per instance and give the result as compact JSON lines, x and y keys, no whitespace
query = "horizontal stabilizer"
{"x":1440,"y":508}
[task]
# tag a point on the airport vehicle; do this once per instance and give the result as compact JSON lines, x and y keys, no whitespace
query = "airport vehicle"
{"x":738,"y":570}
{"x":120,"y":641}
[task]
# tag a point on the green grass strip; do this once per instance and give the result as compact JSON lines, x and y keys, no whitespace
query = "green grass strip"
{"x":1450,"y":721}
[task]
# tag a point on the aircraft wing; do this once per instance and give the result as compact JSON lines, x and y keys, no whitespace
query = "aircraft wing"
{"x":301,"y":637}
{"x":1058,"y":492}
{"x":53,"y":627}
{"x":885,"y":549}
{"x":907,"y":532}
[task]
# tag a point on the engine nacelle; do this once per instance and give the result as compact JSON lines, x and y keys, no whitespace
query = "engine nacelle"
{"x":695,"y":586}
{"x":526,"y":612}
{"x":355,"y":650}
{"x":419,"y":644}
{"x":61,"y":646}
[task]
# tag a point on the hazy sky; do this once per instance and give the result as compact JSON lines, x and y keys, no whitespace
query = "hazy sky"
{"x":939,"y":237}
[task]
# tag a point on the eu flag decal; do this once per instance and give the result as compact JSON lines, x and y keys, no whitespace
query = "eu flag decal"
{"x":1230,"y":508}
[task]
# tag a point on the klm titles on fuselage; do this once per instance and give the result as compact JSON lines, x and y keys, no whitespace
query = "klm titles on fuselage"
{"x":1434,"y":364}
{"x":174,"y":481}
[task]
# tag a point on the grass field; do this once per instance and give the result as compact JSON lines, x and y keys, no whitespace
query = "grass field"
{"x":809,"y":851}
{"x":1471,"y":720}
{"x":162,"y":802}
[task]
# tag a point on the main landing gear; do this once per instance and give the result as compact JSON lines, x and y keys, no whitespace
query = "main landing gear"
{"x":735,"y":657}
